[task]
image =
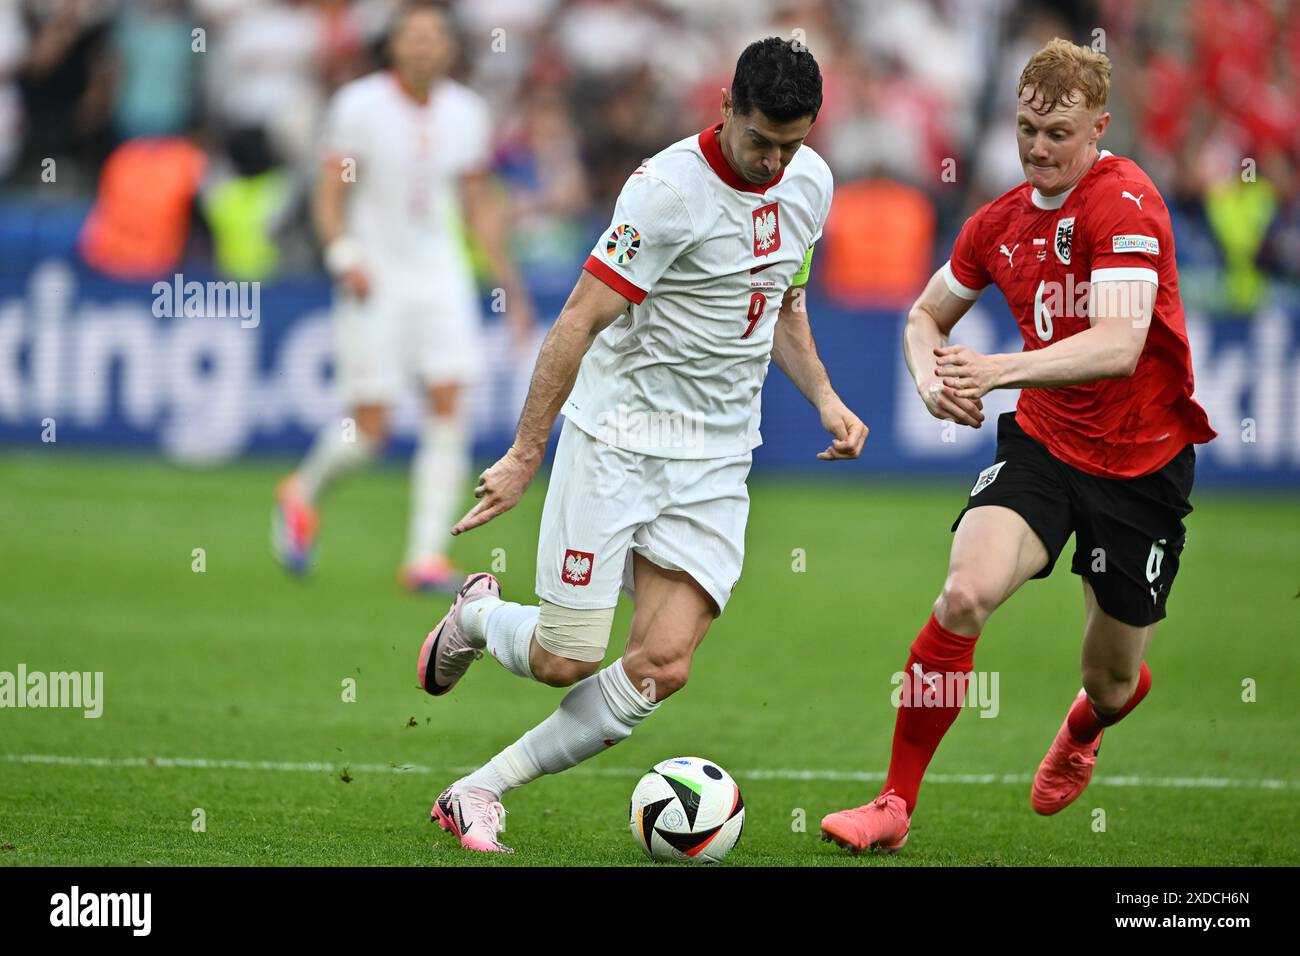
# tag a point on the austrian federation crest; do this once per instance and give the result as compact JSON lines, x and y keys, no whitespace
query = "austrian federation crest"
{"x":1064,"y":236}
{"x":986,"y":478}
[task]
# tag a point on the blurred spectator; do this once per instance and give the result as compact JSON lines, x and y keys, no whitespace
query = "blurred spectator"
{"x":1200,"y":260}
{"x":608,"y":37}
{"x":881,"y":125}
{"x":347,"y":30}
{"x":13,"y":49}
{"x":265,"y":68}
{"x":540,"y":161}
{"x":878,"y":245}
{"x":994,"y":156}
{"x":583,"y":90}
{"x":243,"y":204}
{"x":1280,"y":251}
{"x":154,"y":69}
{"x":1240,"y":213}
{"x":501,"y":40}
{"x":65,"y":89}
{"x":140,"y":222}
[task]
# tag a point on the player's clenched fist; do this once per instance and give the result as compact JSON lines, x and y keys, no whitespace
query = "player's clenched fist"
{"x":849,"y":431}
{"x":499,"y":488}
{"x":942,"y":402}
{"x":966,"y":372}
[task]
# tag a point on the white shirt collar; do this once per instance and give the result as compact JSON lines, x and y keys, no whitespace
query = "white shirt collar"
{"x":1056,"y":202}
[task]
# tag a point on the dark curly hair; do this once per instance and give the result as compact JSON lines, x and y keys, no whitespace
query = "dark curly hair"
{"x":779,"y":78}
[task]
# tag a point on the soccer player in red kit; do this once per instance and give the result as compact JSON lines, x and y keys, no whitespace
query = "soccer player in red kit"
{"x":1100,"y":444}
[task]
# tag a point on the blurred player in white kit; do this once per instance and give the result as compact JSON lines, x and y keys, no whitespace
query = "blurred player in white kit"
{"x":404,"y":165}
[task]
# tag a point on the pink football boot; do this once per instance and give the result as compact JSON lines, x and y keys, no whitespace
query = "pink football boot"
{"x":449,"y":650}
{"x":475,"y":816}
{"x":882,"y":825}
{"x":1065,"y":771}
{"x":293,"y":526}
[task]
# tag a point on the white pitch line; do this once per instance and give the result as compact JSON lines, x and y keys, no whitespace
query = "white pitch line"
{"x":851,"y":776}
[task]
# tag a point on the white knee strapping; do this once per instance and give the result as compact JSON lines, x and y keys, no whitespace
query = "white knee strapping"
{"x":576,"y":634}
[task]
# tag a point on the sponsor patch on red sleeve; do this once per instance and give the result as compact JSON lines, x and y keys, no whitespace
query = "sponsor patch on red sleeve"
{"x":1135,"y":244}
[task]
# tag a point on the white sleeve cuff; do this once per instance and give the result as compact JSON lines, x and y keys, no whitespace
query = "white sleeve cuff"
{"x":959,"y":290}
{"x":1124,"y":275}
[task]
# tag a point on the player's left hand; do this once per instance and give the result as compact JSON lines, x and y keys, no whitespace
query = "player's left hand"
{"x":850,"y":434}
{"x":968,"y":373}
{"x":499,"y":488}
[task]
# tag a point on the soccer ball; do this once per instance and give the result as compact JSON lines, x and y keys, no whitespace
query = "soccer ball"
{"x":687,"y":810}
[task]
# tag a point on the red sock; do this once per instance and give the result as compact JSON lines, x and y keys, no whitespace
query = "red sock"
{"x":1084,"y":721}
{"x":918,"y":730}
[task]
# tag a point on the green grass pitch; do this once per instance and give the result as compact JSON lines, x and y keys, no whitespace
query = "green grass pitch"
{"x":224,"y":689}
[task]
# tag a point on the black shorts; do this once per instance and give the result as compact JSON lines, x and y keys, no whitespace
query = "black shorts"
{"x":1128,"y":532}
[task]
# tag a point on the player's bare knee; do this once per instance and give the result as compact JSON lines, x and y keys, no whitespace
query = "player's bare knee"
{"x":558,"y":671}
{"x":669,"y":679}
{"x":657,"y":675}
{"x":444,"y":400}
{"x":564,"y":673}
{"x":962,"y":606}
{"x":1108,"y":691}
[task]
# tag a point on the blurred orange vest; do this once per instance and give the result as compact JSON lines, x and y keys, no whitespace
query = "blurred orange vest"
{"x":141,"y":218}
{"x":878,"y":244}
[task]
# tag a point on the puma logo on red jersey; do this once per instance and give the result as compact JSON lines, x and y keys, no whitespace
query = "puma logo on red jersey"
{"x":1128,"y":195}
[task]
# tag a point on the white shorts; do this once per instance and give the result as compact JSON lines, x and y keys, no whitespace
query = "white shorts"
{"x":604,"y":503}
{"x":396,"y":334}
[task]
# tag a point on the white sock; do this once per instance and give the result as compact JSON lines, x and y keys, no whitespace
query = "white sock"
{"x":595,"y":714}
{"x":508,"y":629}
{"x":334,"y":453}
{"x":437,"y":477}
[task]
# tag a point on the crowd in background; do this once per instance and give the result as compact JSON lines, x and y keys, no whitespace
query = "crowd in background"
{"x":917,"y":122}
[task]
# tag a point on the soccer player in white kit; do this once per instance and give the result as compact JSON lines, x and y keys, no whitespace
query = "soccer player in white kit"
{"x":657,"y":362}
{"x":405,"y":163}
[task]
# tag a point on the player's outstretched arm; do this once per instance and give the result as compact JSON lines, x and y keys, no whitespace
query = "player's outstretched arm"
{"x":1119,"y":314}
{"x":929,"y":323}
{"x":592,"y":306}
{"x":795,"y":353}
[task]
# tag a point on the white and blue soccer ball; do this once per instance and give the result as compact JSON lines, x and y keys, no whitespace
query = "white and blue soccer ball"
{"x":687,"y":810}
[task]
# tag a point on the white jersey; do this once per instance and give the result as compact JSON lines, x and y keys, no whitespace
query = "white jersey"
{"x":404,"y":207}
{"x":706,"y":259}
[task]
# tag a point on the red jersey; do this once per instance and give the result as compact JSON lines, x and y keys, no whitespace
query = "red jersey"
{"x":1044,"y":252}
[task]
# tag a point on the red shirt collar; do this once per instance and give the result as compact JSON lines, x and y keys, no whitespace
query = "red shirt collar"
{"x":712,"y":151}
